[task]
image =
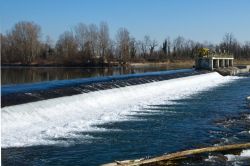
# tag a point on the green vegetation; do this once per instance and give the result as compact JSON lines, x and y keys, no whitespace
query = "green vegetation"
{"x":89,"y":45}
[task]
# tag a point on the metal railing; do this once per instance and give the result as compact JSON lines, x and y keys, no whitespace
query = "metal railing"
{"x":222,"y":55}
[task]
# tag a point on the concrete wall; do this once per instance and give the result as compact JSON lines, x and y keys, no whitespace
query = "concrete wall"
{"x":213,"y":63}
{"x":243,"y":69}
{"x":203,"y":63}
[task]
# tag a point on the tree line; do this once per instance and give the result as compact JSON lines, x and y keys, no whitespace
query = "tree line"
{"x":92,"y":45}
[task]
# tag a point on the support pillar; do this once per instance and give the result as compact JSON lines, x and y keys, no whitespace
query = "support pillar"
{"x":211,"y":64}
{"x":231,"y":62}
{"x":220,"y":63}
{"x":214,"y":64}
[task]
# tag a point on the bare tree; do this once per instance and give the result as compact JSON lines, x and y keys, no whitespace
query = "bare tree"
{"x":123,"y":39}
{"x":152,"y":46}
{"x":4,"y":46}
{"x":103,"y":39}
{"x":246,"y":50}
{"x":189,"y":49}
{"x":93,"y":40}
{"x":87,"y":40}
{"x":47,"y":49}
{"x":110,"y":55}
{"x":143,"y":48}
{"x":25,"y":40}
{"x":132,"y":48}
{"x":178,"y":45}
{"x":166,"y":47}
{"x":81,"y":36}
{"x":228,"y":43}
{"x":147,"y":42}
{"x":67,"y":47}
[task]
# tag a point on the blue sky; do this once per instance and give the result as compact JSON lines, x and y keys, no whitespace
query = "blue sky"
{"x":200,"y":20}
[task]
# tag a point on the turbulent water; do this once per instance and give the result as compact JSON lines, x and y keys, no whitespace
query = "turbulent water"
{"x":127,"y":122}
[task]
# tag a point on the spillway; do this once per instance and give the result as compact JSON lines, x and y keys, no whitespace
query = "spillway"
{"x":64,"y":119}
{"x":25,"y":93}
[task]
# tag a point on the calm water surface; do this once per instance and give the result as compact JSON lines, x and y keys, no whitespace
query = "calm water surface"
{"x":17,"y":75}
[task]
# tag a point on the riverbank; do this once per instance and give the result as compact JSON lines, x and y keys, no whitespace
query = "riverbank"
{"x":242,"y":61}
{"x":171,"y":64}
{"x":176,"y":64}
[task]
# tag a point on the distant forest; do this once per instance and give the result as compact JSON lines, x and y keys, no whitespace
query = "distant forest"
{"x":92,"y":45}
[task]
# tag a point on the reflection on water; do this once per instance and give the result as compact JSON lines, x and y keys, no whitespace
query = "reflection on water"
{"x":17,"y":75}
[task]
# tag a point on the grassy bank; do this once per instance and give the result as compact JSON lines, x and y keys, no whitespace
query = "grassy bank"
{"x":242,"y":62}
{"x":170,"y":64}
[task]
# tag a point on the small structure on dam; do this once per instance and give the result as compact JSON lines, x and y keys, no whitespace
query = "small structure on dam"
{"x":209,"y":60}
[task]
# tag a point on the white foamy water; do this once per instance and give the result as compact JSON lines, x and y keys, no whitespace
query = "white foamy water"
{"x":55,"y":121}
{"x":243,"y":155}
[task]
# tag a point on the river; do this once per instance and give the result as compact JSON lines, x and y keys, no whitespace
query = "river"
{"x":128,"y":122}
{"x":19,"y":75}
